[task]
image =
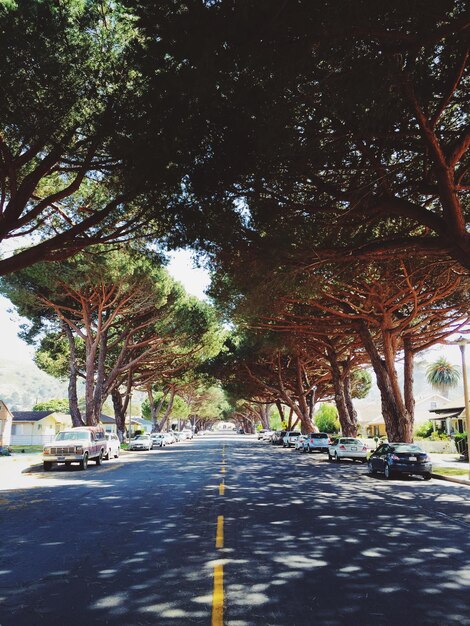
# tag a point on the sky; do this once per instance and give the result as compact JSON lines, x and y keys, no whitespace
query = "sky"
{"x":195,"y":280}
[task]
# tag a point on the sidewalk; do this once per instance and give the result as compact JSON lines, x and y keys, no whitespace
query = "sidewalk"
{"x":452,"y":461}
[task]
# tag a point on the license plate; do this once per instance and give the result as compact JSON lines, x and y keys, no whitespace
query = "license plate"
{"x":413,"y":458}
{"x":61,"y":458}
{"x":353,"y":449}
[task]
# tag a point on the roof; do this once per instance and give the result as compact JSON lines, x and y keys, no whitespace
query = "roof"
{"x":30,"y":416}
{"x":105,"y":419}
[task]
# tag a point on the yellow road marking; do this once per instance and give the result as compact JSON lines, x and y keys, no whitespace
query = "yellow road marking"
{"x":223,"y":469}
{"x":219,"y":537}
{"x":218,"y":596}
{"x":221,"y":488}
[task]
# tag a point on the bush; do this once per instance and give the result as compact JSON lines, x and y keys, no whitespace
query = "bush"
{"x":425,"y":430}
{"x":326,"y":418}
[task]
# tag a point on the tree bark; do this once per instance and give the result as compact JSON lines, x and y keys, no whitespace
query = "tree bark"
{"x":397,"y":419}
{"x":346,"y":419}
{"x":75,"y":412}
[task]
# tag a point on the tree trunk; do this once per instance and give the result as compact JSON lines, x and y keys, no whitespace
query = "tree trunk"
{"x":349,"y":403}
{"x":72,"y":386}
{"x":119,"y":413}
{"x":397,"y":419}
{"x":155,"y":408}
{"x":167,"y":413}
{"x":408,"y":379}
{"x":347,"y":421}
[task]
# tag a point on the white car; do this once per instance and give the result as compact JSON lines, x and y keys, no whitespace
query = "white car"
{"x":169,"y":438}
{"x":141,"y":442}
{"x":300,"y":444}
{"x":158,"y":440}
{"x":113,"y":446}
{"x":290,"y":438}
{"x":188,"y":432}
{"x":267,"y":435}
{"x":348,"y":448}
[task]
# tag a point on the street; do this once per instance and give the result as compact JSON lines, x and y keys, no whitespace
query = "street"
{"x":226,"y":529}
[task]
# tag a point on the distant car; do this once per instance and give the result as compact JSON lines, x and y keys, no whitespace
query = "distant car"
{"x":348,"y":448}
{"x":141,"y":442}
{"x":290,"y":438}
{"x":176,"y":434}
{"x":301,"y":443}
{"x":277,"y":437}
{"x":394,"y":459}
{"x":267,"y":435}
{"x":169,"y":438}
{"x":188,"y":432}
{"x":113,"y":446}
{"x":318,"y":442}
{"x":261,"y":433}
{"x":158,"y":440}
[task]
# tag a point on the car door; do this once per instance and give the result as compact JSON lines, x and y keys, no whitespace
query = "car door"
{"x":376,"y":458}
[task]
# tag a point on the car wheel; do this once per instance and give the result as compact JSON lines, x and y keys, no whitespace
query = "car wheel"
{"x":387,"y":471}
{"x":47,"y":465}
{"x":99,"y":458}
{"x":116,"y":456}
{"x":330,"y":458}
{"x":337,"y":459}
{"x":371,"y":469}
{"x":427,"y":476}
{"x":84,"y":462}
{"x":107,"y":456}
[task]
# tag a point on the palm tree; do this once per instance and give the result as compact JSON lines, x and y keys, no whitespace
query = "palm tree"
{"x":442,"y":376}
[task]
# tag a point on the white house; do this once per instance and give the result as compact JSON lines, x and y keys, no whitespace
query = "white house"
{"x":32,"y":428}
{"x":6,"y":420}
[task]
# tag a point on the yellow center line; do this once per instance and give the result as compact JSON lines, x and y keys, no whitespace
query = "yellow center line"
{"x":223,"y":469}
{"x":219,"y":537}
{"x":218,"y":596}
{"x":221,"y":488}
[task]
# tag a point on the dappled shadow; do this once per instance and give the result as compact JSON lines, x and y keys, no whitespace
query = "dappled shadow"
{"x":332,"y":545}
{"x":306,"y":542}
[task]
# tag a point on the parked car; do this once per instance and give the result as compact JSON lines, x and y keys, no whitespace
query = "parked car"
{"x":300,"y":443}
{"x":176,"y":434}
{"x":158,"y":440}
{"x":267,"y":435}
{"x":277,"y":437}
{"x":141,"y":442}
{"x":75,"y":445}
{"x":400,"y":458}
{"x":170,"y":437}
{"x":188,"y":432}
{"x":290,"y":438}
{"x":261,"y":433}
{"x":347,"y":448}
{"x":318,"y":442}
{"x":113,"y":446}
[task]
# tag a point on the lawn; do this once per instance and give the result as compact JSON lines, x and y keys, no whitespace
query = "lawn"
{"x":451,"y":471}
{"x":25,"y":449}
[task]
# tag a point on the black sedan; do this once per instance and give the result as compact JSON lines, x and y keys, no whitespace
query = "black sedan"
{"x":400,"y":458}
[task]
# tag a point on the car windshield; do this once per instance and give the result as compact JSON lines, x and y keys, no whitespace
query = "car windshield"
{"x":407,"y":447}
{"x":72,"y":436}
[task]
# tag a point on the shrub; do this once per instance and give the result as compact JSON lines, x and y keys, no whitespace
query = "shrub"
{"x":425,"y":430}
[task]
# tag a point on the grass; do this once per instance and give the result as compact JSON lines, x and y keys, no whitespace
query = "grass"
{"x":450,"y":471}
{"x":25,"y":449}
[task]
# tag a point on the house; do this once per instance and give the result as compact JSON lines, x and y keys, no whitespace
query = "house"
{"x":32,"y":428}
{"x":6,"y":420}
{"x":109,"y":423}
{"x":371,"y":422}
{"x":451,"y":418}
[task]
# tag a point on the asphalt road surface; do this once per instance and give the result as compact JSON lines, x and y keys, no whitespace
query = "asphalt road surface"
{"x":229,"y":530}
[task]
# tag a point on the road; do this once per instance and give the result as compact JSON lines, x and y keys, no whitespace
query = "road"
{"x":226,"y":529}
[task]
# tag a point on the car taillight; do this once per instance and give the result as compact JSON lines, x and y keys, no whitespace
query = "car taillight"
{"x":394,"y":457}
{"x":364,"y":448}
{"x":342,"y":447}
{"x":78,"y":449}
{"x":46,"y":451}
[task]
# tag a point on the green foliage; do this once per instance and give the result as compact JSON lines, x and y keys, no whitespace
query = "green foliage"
{"x":179,"y":410}
{"x":425,"y":430}
{"x":52,"y":405}
{"x":442,"y":375}
{"x":361,"y":383}
{"x":326,"y":418}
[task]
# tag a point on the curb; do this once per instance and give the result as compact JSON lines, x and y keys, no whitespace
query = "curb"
{"x":451,"y":479}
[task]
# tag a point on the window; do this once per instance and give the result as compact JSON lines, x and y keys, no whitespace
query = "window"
{"x":433,"y":405}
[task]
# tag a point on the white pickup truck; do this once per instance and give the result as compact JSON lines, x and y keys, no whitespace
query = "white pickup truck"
{"x":75,"y":445}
